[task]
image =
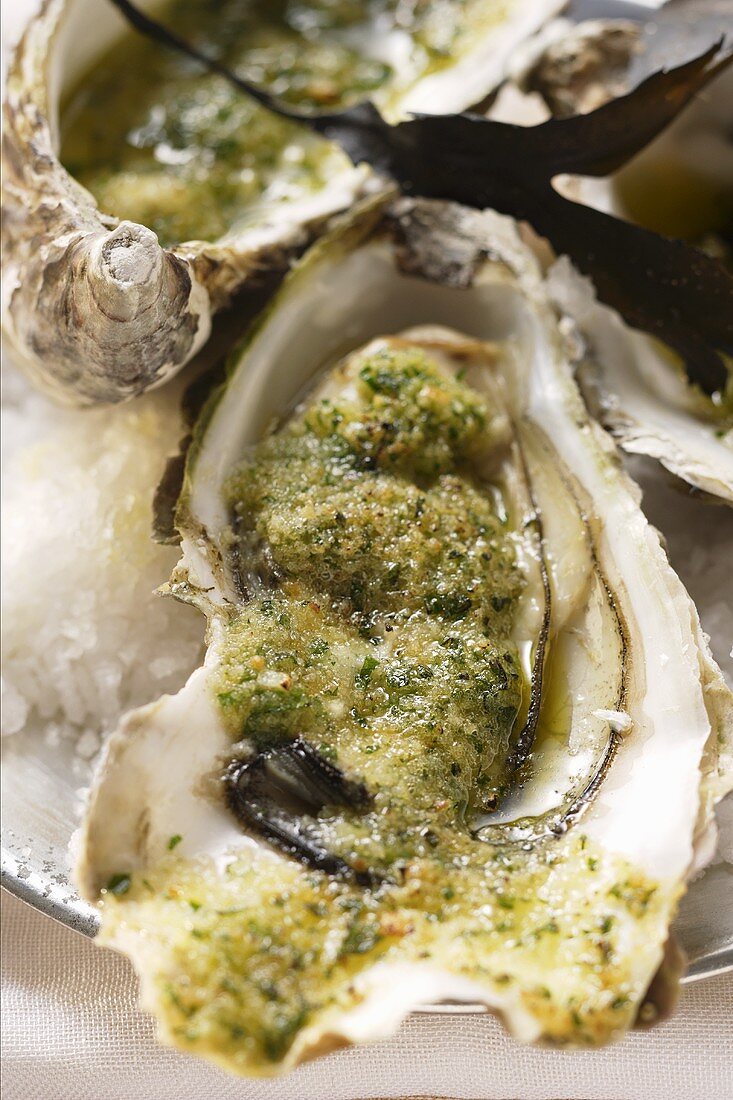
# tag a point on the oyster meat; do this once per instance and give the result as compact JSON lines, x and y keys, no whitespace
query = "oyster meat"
{"x":192,"y":189}
{"x":458,"y":734}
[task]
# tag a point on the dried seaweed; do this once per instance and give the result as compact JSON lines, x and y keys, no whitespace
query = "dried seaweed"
{"x":661,"y":286}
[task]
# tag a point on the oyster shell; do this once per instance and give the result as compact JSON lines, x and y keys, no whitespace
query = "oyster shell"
{"x":249,"y":879}
{"x":576,"y":68}
{"x":637,"y":389}
{"x":96,"y":309}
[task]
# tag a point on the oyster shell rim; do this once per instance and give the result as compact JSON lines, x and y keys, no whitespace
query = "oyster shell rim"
{"x":651,"y":422}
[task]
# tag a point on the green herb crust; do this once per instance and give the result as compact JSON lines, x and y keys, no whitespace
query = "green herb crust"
{"x":159,"y":142}
{"x":387,"y":634}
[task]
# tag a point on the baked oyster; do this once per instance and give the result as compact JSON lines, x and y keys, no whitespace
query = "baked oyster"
{"x":458,"y":734}
{"x":190,"y":190}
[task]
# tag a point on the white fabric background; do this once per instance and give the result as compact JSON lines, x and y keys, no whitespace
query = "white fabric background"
{"x":71,"y":1029}
{"x":72,"y":1032}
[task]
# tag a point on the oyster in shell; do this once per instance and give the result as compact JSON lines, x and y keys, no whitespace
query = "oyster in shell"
{"x":681,"y":186}
{"x":96,"y":307}
{"x":458,"y":734}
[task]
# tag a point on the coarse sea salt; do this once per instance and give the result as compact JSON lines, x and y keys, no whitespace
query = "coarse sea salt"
{"x":84,"y":636}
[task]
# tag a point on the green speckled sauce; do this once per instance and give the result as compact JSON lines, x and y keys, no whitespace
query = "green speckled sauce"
{"x":383,"y":587}
{"x":396,"y":584}
{"x":248,"y":959}
{"x":160,"y":142}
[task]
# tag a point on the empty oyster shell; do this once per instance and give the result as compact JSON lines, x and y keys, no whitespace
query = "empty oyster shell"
{"x":96,"y":309}
{"x":294,"y":850}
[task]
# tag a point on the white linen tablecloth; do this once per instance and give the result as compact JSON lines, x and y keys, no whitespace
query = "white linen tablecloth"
{"x":72,"y":1031}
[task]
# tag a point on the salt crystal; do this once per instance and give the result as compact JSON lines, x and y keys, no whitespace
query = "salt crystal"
{"x":87,"y":745}
{"x":14,"y":708}
{"x":618,"y":720}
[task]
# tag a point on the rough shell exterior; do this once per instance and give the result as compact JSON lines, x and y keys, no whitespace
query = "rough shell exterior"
{"x":93,"y":308}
